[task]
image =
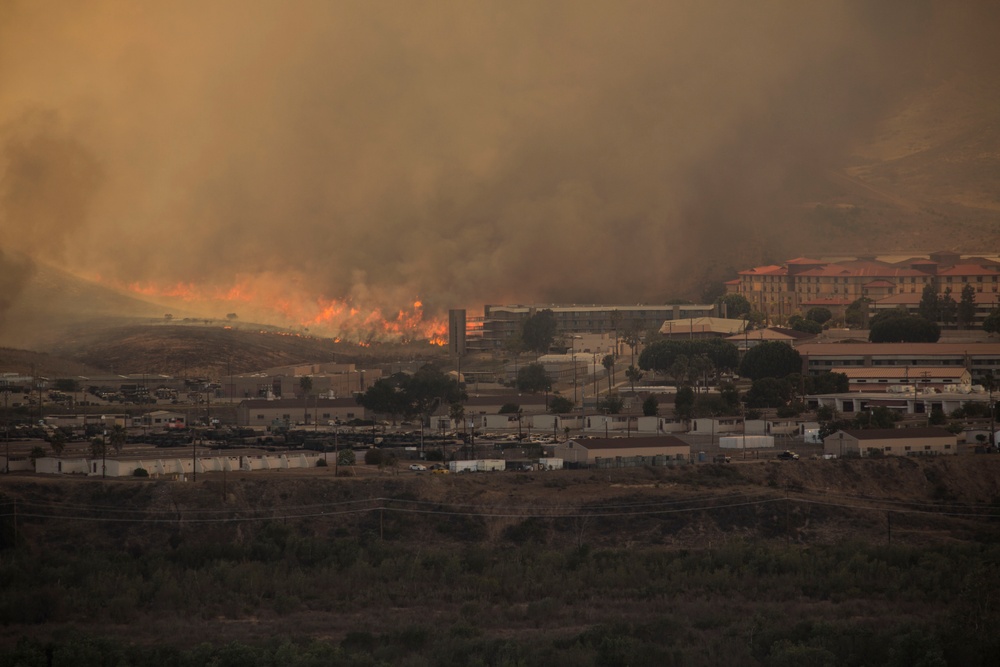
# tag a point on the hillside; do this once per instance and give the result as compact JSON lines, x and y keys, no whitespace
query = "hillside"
{"x":427,"y":565}
{"x":192,"y":350}
{"x":215,"y":349}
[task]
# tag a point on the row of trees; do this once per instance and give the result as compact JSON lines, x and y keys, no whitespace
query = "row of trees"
{"x":417,"y":395}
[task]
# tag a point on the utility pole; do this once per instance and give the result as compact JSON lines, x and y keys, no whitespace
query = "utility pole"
{"x":6,"y":431}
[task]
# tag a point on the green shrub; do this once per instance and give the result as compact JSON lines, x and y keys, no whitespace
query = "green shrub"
{"x":140,"y":472}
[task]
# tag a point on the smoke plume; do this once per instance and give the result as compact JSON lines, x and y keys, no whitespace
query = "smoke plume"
{"x":369,"y":155}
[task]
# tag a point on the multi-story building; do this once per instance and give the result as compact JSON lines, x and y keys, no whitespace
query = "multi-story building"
{"x":802,"y":283}
{"x":980,"y":359}
{"x":501,"y":323}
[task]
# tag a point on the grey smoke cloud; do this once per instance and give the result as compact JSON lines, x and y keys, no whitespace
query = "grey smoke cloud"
{"x":453,"y":152}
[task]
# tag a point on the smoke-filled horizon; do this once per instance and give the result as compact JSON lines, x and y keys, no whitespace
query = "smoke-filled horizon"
{"x":375,"y":154}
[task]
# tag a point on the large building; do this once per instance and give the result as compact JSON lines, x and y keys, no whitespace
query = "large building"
{"x":892,"y":442}
{"x":980,"y":359}
{"x":501,"y":323}
{"x":291,"y":411}
{"x":799,"y":284}
{"x":622,"y":451}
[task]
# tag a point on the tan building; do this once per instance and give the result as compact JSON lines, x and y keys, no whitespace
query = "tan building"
{"x":978,"y":358}
{"x":623,"y":450}
{"x":258,"y":412}
{"x":929,"y":441}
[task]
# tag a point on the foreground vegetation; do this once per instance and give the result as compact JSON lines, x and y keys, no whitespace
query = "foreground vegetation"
{"x":369,"y":592}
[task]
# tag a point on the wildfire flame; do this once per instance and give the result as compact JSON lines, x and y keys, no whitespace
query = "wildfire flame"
{"x":338,"y":318}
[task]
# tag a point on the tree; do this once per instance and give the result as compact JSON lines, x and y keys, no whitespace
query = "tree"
{"x":825,"y":413}
{"x":612,"y":403}
{"x":68,"y":385}
{"x":684,"y":403}
{"x":533,"y":379}
{"x":57,"y":441}
{"x":769,"y":392}
{"x":904,"y":329}
{"x":560,"y":405}
{"x":516,"y":347}
{"x":651,"y":406}
{"x":967,"y":306}
{"x":805,"y":325}
{"x":826,"y":383}
{"x":880,"y":417}
{"x":680,"y":370}
{"x":937,"y":417}
{"x":117,"y":438}
{"x":411,"y":396}
{"x":856,"y":314}
{"x":539,"y":330}
{"x":736,"y":305}
{"x":819,"y":315}
{"x":98,"y":447}
{"x":730,"y":396}
{"x":661,"y":356}
{"x":770,"y":359}
{"x":345,"y":457}
{"x":231,"y":316}
{"x":632,"y":337}
{"x":37,"y":453}
{"x":930,"y":307}
{"x":456,"y":411}
{"x":992,"y":322}
{"x":948,"y":307}
{"x":609,"y":365}
{"x":384,"y":396}
{"x":305,"y":386}
{"x":509,"y":409}
{"x":634,"y":375}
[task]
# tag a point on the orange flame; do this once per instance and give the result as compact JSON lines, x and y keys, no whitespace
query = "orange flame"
{"x":339,"y":318}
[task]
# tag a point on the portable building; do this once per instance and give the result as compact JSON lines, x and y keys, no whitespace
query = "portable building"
{"x":746,"y":442}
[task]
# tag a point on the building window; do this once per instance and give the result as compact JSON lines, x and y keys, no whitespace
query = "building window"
{"x":906,"y":448}
{"x":260,"y":416}
{"x":947,"y":446}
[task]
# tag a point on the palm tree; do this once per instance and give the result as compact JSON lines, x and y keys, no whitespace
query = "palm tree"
{"x":609,"y":365}
{"x":306,"y":385}
{"x":457,"y":414}
{"x":633,"y":374}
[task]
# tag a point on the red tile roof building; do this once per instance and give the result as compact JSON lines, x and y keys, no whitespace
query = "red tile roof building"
{"x":801,"y":283}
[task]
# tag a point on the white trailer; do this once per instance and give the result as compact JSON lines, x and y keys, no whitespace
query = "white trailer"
{"x":746,"y":442}
{"x":462,"y":466}
{"x":550,"y":464}
{"x":490,"y":465}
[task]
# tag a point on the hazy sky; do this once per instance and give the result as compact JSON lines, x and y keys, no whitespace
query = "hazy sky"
{"x":458,"y":153}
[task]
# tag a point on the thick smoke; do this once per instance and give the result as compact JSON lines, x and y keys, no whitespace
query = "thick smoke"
{"x":453,"y":152}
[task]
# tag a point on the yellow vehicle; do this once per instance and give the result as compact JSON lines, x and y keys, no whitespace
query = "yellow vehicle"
{"x":441,"y":471}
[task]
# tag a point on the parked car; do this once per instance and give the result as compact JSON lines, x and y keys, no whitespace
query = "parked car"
{"x":722,"y":458}
{"x":418,"y":467}
{"x":788,"y":456}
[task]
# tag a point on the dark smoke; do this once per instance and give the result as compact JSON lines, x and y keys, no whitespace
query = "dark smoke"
{"x":455,"y":152}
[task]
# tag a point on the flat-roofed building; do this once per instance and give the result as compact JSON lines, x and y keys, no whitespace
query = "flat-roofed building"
{"x":905,"y":379}
{"x":977,"y":358}
{"x":594,"y":451}
{"x":257,"y":412}
{"x":501,"y":323}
